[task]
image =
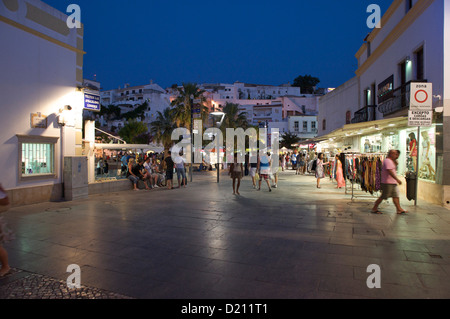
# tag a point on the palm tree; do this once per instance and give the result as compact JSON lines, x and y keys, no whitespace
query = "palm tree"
{"x":163,"y":127}
{"x":288,"y":139}
{"x":233,"y":117}
{"x":182,"y":104}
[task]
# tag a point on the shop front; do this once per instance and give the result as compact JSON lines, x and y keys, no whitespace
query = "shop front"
{"x":419,"y":147}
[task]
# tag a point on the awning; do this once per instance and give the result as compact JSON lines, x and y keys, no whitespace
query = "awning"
{"x":363,"y":128}
{"x":145,"y":147}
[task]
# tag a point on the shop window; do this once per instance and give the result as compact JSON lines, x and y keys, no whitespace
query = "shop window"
{"x":36,"y":157}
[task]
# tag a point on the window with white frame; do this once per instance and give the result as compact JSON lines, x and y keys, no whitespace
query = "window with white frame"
{"x":36,"y":157}
{"x":305,"y":126}
{"x":296,"y":126}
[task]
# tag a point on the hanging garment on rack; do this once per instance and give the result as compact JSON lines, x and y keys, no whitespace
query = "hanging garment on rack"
{"x":378,"y":175}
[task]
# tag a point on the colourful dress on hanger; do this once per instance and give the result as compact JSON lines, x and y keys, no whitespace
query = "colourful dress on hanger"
{"x":339,"y":175}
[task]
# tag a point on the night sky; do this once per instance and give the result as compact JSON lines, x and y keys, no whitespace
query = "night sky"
{"x":261,"y":42}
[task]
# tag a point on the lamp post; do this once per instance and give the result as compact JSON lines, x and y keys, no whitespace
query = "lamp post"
{"x":218,"y":124}
{"x":192,"y":136}
{"x":62,"y":120}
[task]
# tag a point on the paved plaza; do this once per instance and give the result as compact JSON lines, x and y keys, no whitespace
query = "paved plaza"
{"x":203,"y":242}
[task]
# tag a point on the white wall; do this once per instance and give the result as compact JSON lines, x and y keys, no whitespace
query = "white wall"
{"x":426,"y":31}
{"x":334,"y":105}
{"x":36,"y":76}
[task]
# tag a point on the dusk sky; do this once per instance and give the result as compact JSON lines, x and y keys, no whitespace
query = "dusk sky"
{"x":261,"y":42}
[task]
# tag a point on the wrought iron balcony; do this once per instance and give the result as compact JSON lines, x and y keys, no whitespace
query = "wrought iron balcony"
{"x":366,"y":114}
{"x":399,"y":100}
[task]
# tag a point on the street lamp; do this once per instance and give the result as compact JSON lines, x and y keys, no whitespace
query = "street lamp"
{"x":218,"y":124}
{"x":191,"y":100}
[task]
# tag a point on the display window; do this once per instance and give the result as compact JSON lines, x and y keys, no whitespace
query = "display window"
{"x":372,"y":143}
{"x":427,"y":154}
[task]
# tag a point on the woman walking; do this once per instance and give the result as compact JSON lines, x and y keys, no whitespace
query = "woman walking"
{"x":339,"y":173}
{"x":320,"y":172}
{"x":236,"y":172}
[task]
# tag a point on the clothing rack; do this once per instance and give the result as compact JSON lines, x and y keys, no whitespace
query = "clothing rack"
{"x":354,"y":155}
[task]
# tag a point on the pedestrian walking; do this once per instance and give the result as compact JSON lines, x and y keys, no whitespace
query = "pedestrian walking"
{"x":273,"y":173}
{"x":299,"y":163}
{"x":339,"y":172}
{"x":294,"y":160}
{"x":252,"y":168}
{"x":320,"y":171}
{"x":5,"y":234}
{"x":264,"y":170}
{"x":389,"y":183}
{"x":236,"y":172}
{"x":283,"y":161}
{"x":180,"y":166}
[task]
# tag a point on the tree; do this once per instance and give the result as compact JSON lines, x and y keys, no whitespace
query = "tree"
{"x":182,"y":104}
{"x":288,"y":139}
{"x":110,"y":112}
{"x":306,"y":83}
{"x":162,"y":128}
{"x":233,"y":117}
{"x":132,"y":132}
{"x":138,"y":112}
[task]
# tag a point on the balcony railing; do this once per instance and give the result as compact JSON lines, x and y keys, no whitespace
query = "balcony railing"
{"x":399,"y":100}
{"x":366,"y":114}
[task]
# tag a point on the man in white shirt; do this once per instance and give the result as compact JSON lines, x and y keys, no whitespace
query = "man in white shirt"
{"x":180,"y":163}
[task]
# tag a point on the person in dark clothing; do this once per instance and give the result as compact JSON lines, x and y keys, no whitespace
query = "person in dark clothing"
{"x":169,"y":165}
{"x":139,"y":171}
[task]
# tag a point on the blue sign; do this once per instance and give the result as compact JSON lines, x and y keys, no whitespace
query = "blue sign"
{"x":92,"y":102}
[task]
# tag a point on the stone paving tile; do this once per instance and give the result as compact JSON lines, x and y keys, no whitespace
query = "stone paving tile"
{"x":296,"y":242}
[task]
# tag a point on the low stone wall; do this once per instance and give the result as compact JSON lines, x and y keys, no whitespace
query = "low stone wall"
{"x":110,"y":186}
{"x":35,"y":194}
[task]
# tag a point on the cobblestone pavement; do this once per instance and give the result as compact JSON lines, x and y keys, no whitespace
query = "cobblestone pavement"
{"x":19,"y":284}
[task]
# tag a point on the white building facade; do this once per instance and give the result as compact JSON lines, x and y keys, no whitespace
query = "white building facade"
{"x":43,"y":58}
{"x":412,"y":46}
{"x":128,"y":98}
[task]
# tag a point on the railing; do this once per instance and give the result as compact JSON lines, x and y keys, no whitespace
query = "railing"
{"x":366,"y":114}
{"x":399,"y":100}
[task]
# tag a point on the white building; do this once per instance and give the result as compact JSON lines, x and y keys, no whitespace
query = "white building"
{"x":128,"y":98}
{"x":412,"y":45}
{"x":42,"y":66}
{"x":337,"y":107}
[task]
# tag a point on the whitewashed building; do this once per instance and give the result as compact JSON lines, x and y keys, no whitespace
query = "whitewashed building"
{"x":130,"y":97}
{"x":412,"y":45}
{"x":41,"y":99}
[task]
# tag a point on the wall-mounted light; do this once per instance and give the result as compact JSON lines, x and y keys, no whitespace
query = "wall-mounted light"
{"x":408,"y":59}
{"x":63,"y":114}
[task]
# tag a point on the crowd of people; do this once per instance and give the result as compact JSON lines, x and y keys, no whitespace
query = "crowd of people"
{"x":157,"y":170}
{"x":153,"y":170}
